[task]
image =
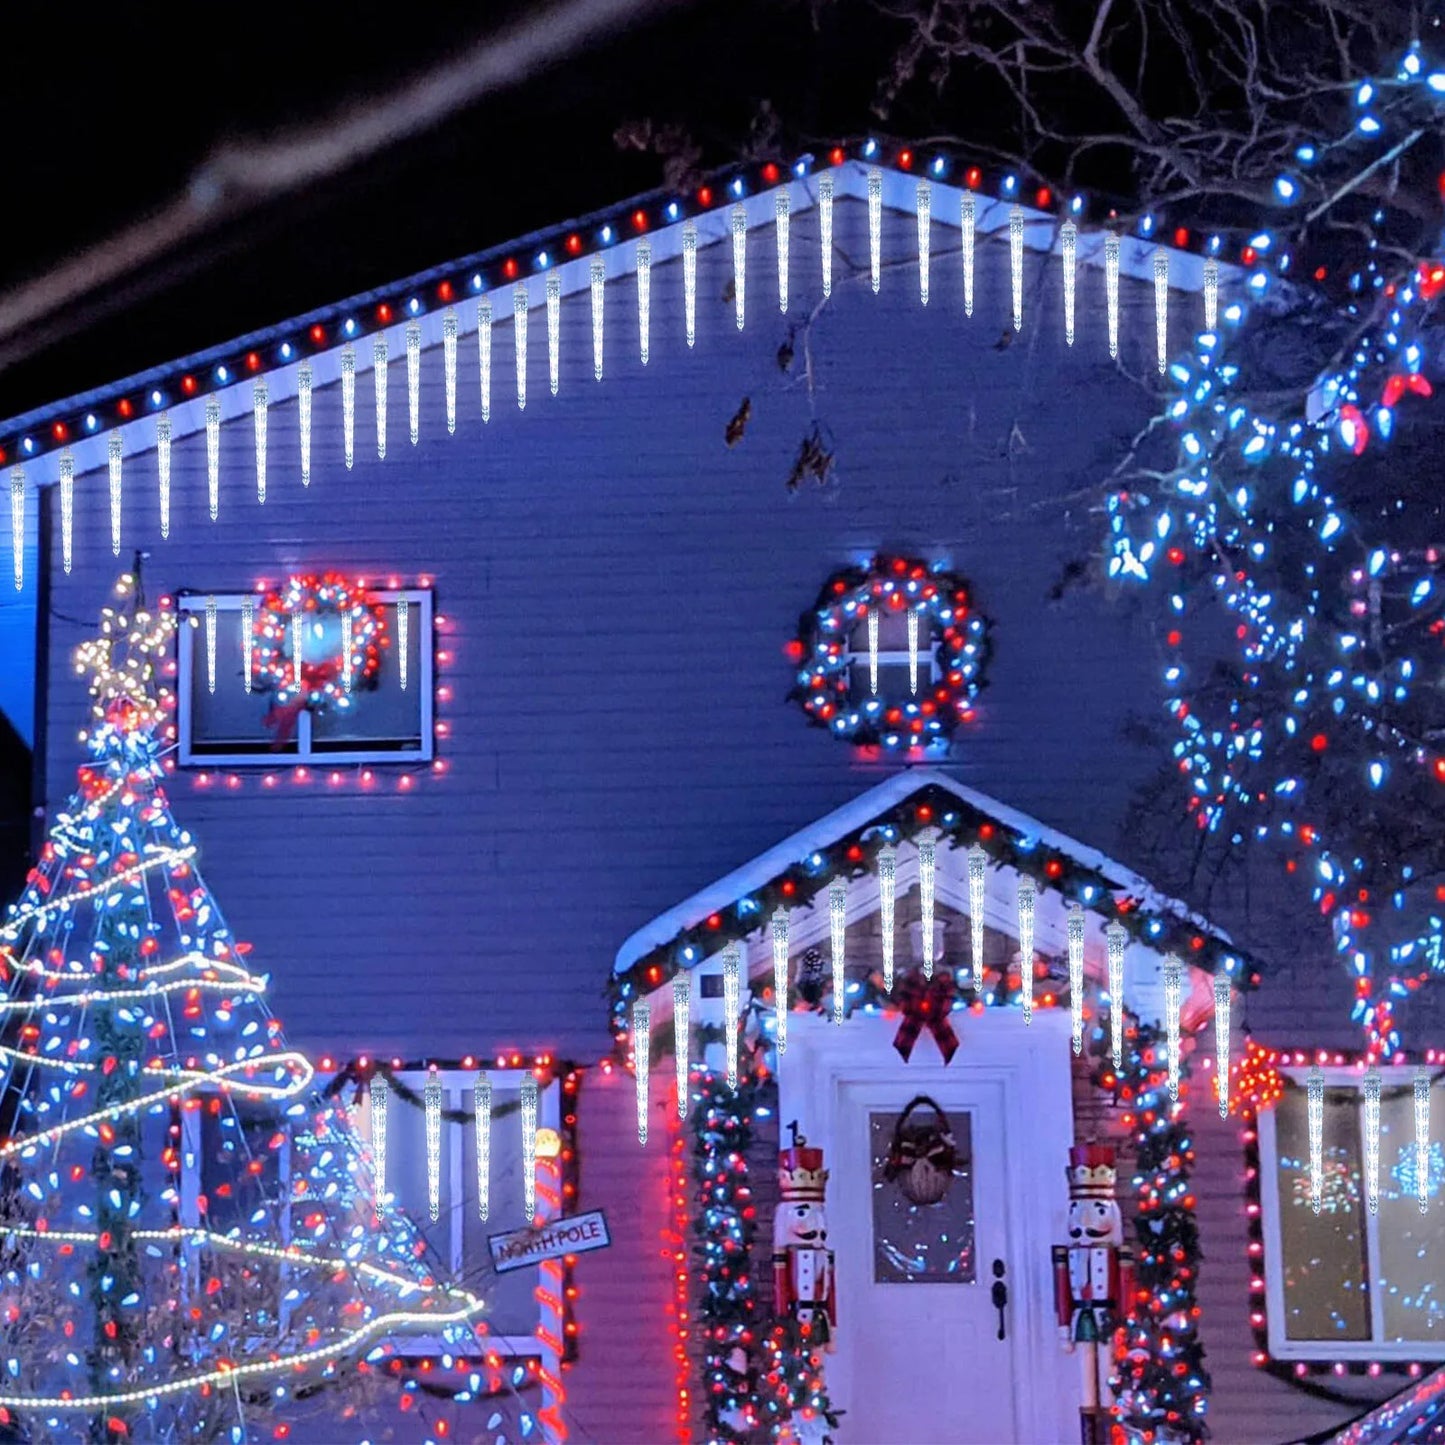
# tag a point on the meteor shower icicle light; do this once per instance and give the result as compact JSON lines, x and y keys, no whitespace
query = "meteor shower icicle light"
{"x":378,"y":380}
{"x":248,"y":627}
{"x":377,"y":1092}
{"x":825,"y":231}
{"x":432,"y":1098}
{"x":213,"y":453}
{"x":837,"y":936}
{"x":554,"y":331}
{"x":927,"y":874}
{"x":780,"y":977}
{"x":968,"y":232}
{"x":740,"y":259}
{"x":1221,"y":1041}
{"x":1211,"y":294}
{"x":977,"y":866}
{"x":17,"y":524}
{"x":1315,"y":1091}
{"x":682,"y":1037}
{"x":689,"y":281}
{"x":1372,"y":1139}
{"x":925,"y":232}
{"x":298,"y":637}
{"x":403,"y":622}
{"x":67,"y":497}
{"x":1173,"y":989}
{"x":1422,"y":1139}
{"x":644,"y":300}
{"x":449,"y":367}
{"x":163,"y":473}
{"x":1076,"y":975}
{"x":482,"y":1121}
{"x":1069,"y":247}
{"x":114,"y":453}
{"x":913,"y":651}
{"x":529,"y":1147}
{"x":1027,"y":898}
{"x":873,"y":621}
{"x":348,"y":662}
{"x":519,"y":341}
{"x":641,"y":1061}
{"x":210,"y":644}
{"x":887,"y":883}
{"x":875,"y":228}
{"x":348,"y":404}
{"x":1161,"y":307}
{"x":413,"y":381}
{"x":1115,"y":940}
{"x":781,"y":208}
{"x":260,"y":402}
{"x":484,"y":354}
{"x":1111,"y":289}
{"x":303,"y":413}
{"x":732,"y":1006}
{"x":597,"y":283}
{"x":1016,"y":262}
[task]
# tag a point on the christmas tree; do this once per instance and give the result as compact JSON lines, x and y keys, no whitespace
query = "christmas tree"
{"x":190,"y":1232}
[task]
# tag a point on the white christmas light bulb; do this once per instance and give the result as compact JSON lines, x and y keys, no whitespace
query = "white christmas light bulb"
{"x":1221,"y":1041}
{"x":17,"y":524}
{"x":298,"y":633}
{"x":644,"y":300}
{"x":1027,"y":899}
{"x":825,"y":230}
{"x":873,"y":621}
{"x":1422,"y":1139}
{"x":519,"y":340}
{"x":114,"y":451}
{"x":927,"y":876}
{"x":379,"y":379}
{"x":67,"y":505}
{"x":780,"y":978}
{"x":837,"y":932}
{"x":413,"y":380}
{"x":1069,"y":246}
{"x":303,"y":412}
{"x":554,"y":331}
{"x":740,"y":259}
{"x":449,"y":367}
{"x":348,"y":404}
{"x":977,"y":864}
{"x":875,"y":228}
{"x":969,"y":231}
{"x":377,"y":1092}
{"x":403,"y":623}
{"x":529,"y":1148}
{"x":1315,"y":1092}
{"x":248,"y":629}
{"x":682,"y":1038}
{"x":1016,"y":262}
{"x":597,"y":277}
{"x":1076,"y":975}
{"x":1372,"y":1139}
{"x":732,"y":1006}
{"x":163,"y":472}
{"x":887,"y":898}
{"x":1115,"y":941}
{"x":781,"y":211}
{"x":260,"y":398}
{"x":432,"y":1100}
{"x":1211,"y":294}
{"x":1173,"y":991}
{"x":348,"y":663}
{"x":1111,"y":289}
{"x":1161,"y":307}
{"x":913,"y":651}
{"x":482,"y":1122}
{"x":484,"y":354}
{"x":925,"y":236}
{"x":641,"y":1061}
{"x":210,"y":644}
{"x":689,"y":280}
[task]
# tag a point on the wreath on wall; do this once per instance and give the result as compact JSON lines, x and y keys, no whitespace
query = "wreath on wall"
{"x":949,"y":655}
{"x":328,"y":605}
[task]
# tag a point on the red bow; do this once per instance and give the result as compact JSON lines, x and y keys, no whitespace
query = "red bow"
{"x":925,"y":1004}
{"x":282,"y":717}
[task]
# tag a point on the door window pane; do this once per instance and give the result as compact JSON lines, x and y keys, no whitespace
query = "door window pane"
{"x":1412,"y":1245}
{"x":922,"y":1243}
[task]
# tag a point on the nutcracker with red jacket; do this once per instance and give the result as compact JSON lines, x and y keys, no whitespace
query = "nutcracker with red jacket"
{"x":803,"y":1284}
{"x":1093,"y":1278}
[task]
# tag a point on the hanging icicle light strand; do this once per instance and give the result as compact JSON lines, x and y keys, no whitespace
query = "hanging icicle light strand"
{"x":1372,"y":1138}
{"x":1016,"y":262}
{"x":644,"y":300}
{"x":1221,"y":1041}
{"x":377,"y":1091}
{"x":732,"y":1006}
{"x":348,"y":664}
{"x":1173,"y":991}
{"x":17,"y":525}
{"x":484,"y":354}
{"x":1161,"y":307}
{"x":303,"y":414}
{"x":689,"y":281}
{"x":260,"y":401}
{"x":163,"y":472}
{"x":248,"y":626}
{"x":1111,"y":290}
{"x":781,"y":209}
{"x":449,"y":367}
{"x":887,"y":885}
{"x":519,"y":340}
{"x":925,"y":234}
{"x":529,"y":1147}
{"x":1422,"y":1139}
{"x":1211,"y":294}
{"x":913,"y":651}
{"x":1027,"y":899}
{"x":837,"y":933}
{"x":977,"y":866}
{"x":1315,"y":1094}
{"x":825,"y":231}
{"x":115,"y":456}
{"x":1076,"y":975}
{"x":873,"y":621}
{"x":1115,"y":941}
{"x":597,"y":282}
{"x":780,"y":979}
{"x":213,"y":454}
{"x":432,"y":1099}
{"x":875,"y":228}
{"x":682,"y":1038}
{"x":740,"y":260}
{"x":968,"y":232}
{"x":927,"y":877}
{"x":641,"y":1061}
{"x":554,"y":332}
{"x":413,"y":381}
{"x":379,"y":379}
{"x":298,"y":637}
{"x":210,"y":644}
{"x":403,"y":622}
{"x":348,"y":404}
{"x":1069,"y":249}
{"x":67,"y":499}
{"x":482,"y":1122}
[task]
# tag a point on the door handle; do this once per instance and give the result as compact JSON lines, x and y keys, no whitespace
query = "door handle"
{"x":999,"y":1296}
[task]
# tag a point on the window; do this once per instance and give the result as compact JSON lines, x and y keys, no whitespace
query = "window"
{"x":235,"y":728}
{"x":893,"y":672}
{"x":1345,"y":1284}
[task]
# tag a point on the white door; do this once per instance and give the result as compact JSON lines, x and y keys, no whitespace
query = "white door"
{"x":919,"y":1316}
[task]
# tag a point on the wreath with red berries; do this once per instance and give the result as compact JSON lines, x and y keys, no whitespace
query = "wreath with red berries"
{"x":324,"y":604}
{"x":951,"y":656}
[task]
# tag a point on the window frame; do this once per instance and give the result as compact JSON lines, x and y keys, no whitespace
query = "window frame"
{"x":1281,"y":1347}
{"x":188,"y":676}
{"x":895,"y":657}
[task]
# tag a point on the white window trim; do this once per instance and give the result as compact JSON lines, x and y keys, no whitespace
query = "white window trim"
{"x":187,"y":676}
{"x":1281,"y":1347}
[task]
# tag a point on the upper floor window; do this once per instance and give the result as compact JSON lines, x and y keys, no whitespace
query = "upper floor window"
{"x":1345,"y":1284}
{"x":385,"y":715}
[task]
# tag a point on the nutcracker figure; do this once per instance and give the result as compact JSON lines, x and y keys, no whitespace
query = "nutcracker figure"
{"x":1093,"y":1279}
{"x":802,"y":1261}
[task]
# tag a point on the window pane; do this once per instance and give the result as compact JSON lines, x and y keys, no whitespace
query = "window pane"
{"x":229,"y":720}
{"x":1325,"y":1291}
{"x":386,"y":714}
{"x":1412,"y":1245}
{"x":922,"y":1243}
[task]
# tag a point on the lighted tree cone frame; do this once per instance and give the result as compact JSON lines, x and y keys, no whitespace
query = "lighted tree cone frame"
{"x":143,"y":1296}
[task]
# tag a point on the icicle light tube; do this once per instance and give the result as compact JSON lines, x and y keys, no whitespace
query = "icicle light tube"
{"x":875,"y":228}
{"x":449,"y":367}
{"x":248,"y":628}
{"x":732,"y":1006}
{"x":837,"y":937}
{"x":1173,"y":990}
{"x":644,"y":300}
{"x":303,"y":414}
{"x":781,"y":210}
{"x":780,"y":978}
{"x":554,"y":332}
{"x":913,"y":651}
{"x":682,"y":1038}
{"x":67,"y":498}
{"x":114,"y":454}
{"x":260,"y":403}
{"x":1211,"y":294}
{"x":163,"y":473}
{"x":1372,"y":1138}
{"x":689,"y":281}
{"x":968,"y":231}
{"x":529,"y":1147}
{"x":977,"y":873}
{"x":377,"y":1091}
{"x":825,"y":231}
{"x":413,"y":381}
{"x":1115,"y":941}
{"x":17,"y":525}
{"x":740,"y":261}
{"x":348,"y":405}
{"x":348,"y":662}
{"x":1221,"y":1041}
{"x":210,"y":644}
{"x":925,"y":233}
{"x":484,"y":354}
{"x":1422,"y":1139}
{"x":298,"y":638}
{"x":1315,"y":1093}
{"x":519,"y":341}
{"x":432,"y":1099}
{"x":927,"y":877}
{"x":1076,"y":975}
{"x":378,"y":379}
{"x":597,"y":283}
{"x":1016,"y":263}
{"x":1111,"y":290}
{"x":1027,"y":901}
{"x":887,"y":885}
{"x":641,"y":1061}
{"x":1161,"y":308}
{"x":403,"y":623}
{"x":873,"y":621}
{"x":1069,"y":248}
{"x":482,"y":1122}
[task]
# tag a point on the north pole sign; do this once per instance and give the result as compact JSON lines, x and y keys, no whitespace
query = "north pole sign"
{"x":575,"y":1234}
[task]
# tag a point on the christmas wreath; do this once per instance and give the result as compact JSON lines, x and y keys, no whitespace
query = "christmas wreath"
{"x":326,"y":605}
{"x":948,"y":647}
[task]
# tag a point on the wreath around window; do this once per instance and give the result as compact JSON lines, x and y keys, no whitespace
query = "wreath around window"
{"x":323,"y":602}
{"x":951,"y":653}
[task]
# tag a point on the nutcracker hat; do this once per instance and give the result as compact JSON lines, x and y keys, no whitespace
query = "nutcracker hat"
{"x":801,"y":1176}
{"x":1092,"y":1172}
